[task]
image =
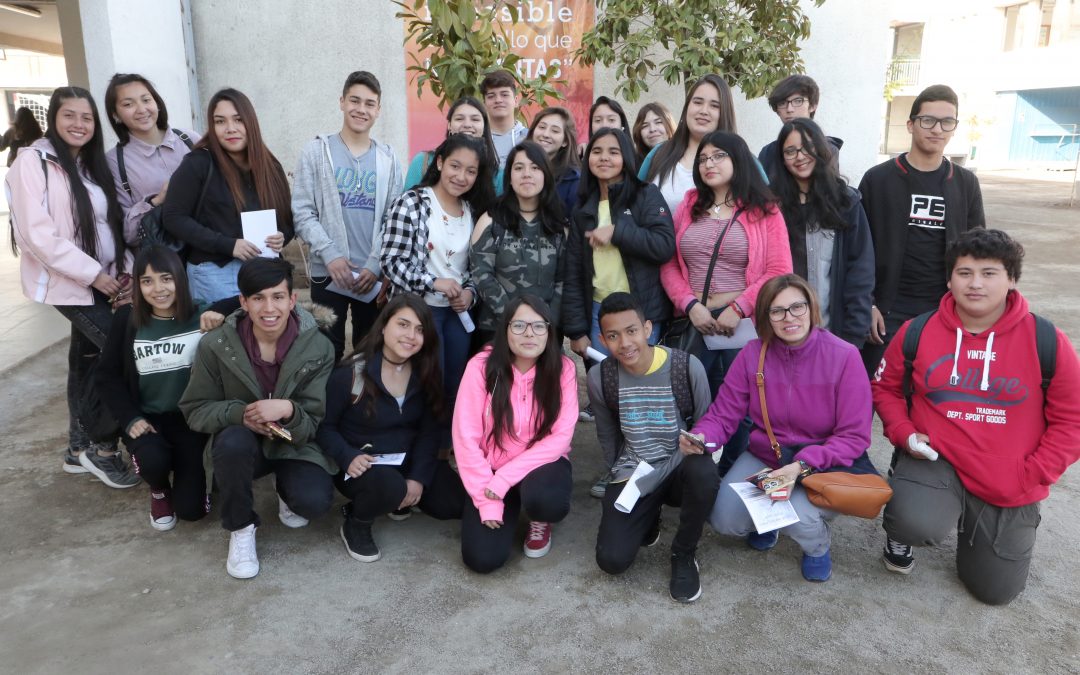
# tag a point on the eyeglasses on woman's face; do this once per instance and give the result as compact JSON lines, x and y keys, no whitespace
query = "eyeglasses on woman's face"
{"x":538,"y":327}
{"x":796,"y":309}
{"x":715,"y":158}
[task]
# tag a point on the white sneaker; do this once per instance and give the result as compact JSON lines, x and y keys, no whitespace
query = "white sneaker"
{"x":243,"y":563}
{"x":287,"y":517}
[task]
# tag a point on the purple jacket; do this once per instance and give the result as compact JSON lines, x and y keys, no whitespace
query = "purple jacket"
{"x":818,"y":395}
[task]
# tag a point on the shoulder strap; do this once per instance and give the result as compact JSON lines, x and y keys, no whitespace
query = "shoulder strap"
{"x":680,"y":383}
{"x":185,"y":138}
{"x":911,"y":349}
{"x":123,"y":170}
{"x":1046,"y":347}
{"x":357,"y":389}
{"x":773,"y":443}
{"x":609,"y":384}
{"x":715,"y":254}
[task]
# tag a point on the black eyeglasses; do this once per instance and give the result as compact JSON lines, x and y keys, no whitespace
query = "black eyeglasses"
{"x":796,"y":102}
{"x":715,"y":158}
{"x":538,"y":327}
{"x":793,"y":152}
{"x":796,"y":309}
{"x":929,"y":122}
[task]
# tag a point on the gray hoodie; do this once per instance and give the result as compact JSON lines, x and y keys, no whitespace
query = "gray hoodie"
{"x":316,"y":204}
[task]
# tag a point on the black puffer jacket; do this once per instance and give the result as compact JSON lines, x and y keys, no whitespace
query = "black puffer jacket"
{"x":644,"y":235}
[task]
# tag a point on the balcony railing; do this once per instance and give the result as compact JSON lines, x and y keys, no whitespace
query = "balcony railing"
{"x":904,"y":71}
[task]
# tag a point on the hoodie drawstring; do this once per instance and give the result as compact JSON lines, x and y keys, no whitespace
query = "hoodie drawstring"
{"x":986,"y":362}
{"x":954,"y":379}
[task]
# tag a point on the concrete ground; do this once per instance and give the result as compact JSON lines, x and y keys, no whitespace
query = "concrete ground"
{"x":86,"y":584}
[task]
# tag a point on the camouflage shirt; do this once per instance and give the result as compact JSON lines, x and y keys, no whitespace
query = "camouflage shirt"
{"x":505,"y":265}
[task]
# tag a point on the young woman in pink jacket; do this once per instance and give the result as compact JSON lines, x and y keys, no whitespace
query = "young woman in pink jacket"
{"x":69,"y":228}
{"x":515,"y":415}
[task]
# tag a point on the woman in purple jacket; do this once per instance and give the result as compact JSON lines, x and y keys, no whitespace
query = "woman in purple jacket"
{"x":820,"y":408}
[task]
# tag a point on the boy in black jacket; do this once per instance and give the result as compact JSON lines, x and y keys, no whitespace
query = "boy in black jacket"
{"x":917,"y":204}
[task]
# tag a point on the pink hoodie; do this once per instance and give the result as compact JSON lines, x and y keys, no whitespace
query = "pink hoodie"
{"x":485,"y":467}
{"x":55,"y":271}
{"x":770,"y":256}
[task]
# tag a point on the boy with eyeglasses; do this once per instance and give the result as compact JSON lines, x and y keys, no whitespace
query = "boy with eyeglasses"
{"x":795,"y":96}
{"x":917,"y":204}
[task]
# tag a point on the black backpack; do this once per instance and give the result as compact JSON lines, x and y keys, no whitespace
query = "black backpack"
{"x":1045,"y":347}
{"x":680,"y":384}
{"x":151,"y":228}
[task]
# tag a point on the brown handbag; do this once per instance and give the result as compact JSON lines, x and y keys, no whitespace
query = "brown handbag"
{"x":853,"y":494}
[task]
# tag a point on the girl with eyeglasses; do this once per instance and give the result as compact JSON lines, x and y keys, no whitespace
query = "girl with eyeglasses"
{"x":517,"y":246}
{"x":818,"y":398}
{"x":827,"y":228}
{"x":515,"y":416}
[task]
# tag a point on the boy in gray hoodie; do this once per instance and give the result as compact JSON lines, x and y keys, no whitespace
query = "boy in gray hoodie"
{"x":342,"y":188}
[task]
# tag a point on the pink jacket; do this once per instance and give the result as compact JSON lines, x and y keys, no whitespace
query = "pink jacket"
{"x":485,"y":467}
{"x":770,"y":256}
{"x":55,"y":271}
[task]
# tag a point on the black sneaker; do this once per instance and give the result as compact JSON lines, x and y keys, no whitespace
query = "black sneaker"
{"x":110,"y":470}
{"x":71,"y":462}
{"x":653,"y":535}
{"x":898,"y":557}
{"x":586,"y":414}
{"x":357,"y":537}
{"x":400,"y":514}
{"x":685,"y":584}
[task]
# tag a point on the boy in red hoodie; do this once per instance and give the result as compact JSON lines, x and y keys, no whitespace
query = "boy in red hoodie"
{"x":978,"y":403}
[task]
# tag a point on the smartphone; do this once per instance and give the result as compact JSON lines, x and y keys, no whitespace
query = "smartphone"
{"x":692,"y":438}
{"x":280,"y":432}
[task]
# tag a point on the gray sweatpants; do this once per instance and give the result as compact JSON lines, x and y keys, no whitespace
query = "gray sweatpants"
{"x":729,"y":515}
{"x":994,"y":547}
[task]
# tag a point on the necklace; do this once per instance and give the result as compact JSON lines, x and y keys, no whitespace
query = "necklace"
{"x":398,"y":365}
{"x":165,"y":318}
{"x":716,"y":207}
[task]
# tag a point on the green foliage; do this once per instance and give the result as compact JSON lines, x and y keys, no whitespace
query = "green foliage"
{"x":467,"y":42}
{"x":753,"y":44}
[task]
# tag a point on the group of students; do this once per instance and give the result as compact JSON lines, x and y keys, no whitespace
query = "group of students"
{"x":464,"y":275}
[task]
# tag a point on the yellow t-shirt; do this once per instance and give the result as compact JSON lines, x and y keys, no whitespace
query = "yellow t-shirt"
{"x":609,"y":273}
{"x":659,"y":357}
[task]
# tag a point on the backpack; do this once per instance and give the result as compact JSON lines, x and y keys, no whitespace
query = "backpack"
{"x":151,"y":228}
{"x":680,"y":384}
{"x":1045,"y":347}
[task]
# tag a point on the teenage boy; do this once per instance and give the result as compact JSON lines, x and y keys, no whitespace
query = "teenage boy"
{"x":343,"y":187}
{"x":1002,"y":438}
{"x":258,"y":385}
{"x":501,"y":100}
{"x":648,"y":384}
{"x":917,"y":204}
{"x":795,"y":96}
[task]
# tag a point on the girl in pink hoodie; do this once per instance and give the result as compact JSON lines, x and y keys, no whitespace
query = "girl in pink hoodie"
{"x":69,"y":227}
{"x":514,"y":418}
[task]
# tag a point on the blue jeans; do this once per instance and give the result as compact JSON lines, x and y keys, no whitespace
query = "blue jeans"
{"x":594,"y":331}
{"x":454,"y":349}
{"x":211,"y":283}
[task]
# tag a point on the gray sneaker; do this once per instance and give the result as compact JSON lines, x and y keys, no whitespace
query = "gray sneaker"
{"x":109,"y":470}
{"x":71,"y":462}
{"x":599,"y":488}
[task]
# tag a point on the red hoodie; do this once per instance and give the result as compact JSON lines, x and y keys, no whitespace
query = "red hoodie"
{"x":990,"y":425}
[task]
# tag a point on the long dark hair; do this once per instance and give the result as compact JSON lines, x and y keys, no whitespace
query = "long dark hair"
{"x":507,"y":210}
{"x":492,"y":156}
{"x":269,"y":178}
{"x":118,"y":80}
{"x":615,"y":106}
{"x":499,"y":375}
{"x":27,"y":129}
{"x":92,"y":158}
{"x":661,"y":111}
{"x":669,"y":154}
{"x":630,"y":182}
{"x":747,"y":188}
{"x":162,"y":259}
{"x":425,"y":362}
{"x":566,"y":157}
{"x":482,"y":193}
{"x":828,"y":197}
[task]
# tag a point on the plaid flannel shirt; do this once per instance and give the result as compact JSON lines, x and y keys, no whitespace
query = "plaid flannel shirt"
{"x":404,"y":251}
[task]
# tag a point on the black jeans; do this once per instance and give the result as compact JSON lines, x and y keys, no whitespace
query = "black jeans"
{"x":380,"y":489}
{"x":174,"y":448}
{"x":239,"y":460}
{"x":691,"y":486}
{"x":89,"y":328}
{"x":545,"y":495}
{"x":363,"y":314}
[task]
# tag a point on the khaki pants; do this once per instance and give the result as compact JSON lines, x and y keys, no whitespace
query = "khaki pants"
{"x":994,"y":547}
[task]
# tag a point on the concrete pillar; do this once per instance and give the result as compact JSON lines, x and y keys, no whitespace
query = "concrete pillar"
{"x":103,"y":37}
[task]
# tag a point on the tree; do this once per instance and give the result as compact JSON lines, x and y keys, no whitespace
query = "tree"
{"x":752,"y":43}
{"x":465,"y":43}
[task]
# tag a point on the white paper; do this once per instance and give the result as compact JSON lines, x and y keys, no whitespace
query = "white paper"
{"x":630,"y":494}
{"x":767,"y":514}
{"x":390,"y":459}
{"x":366,"y":297}
{"x":258,"y":225}
{"x":595,"y":354}
{"x":744,"y":332}
{"x":466,"y":321}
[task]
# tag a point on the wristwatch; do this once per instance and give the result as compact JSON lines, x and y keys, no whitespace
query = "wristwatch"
{"x":806,"y":469}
